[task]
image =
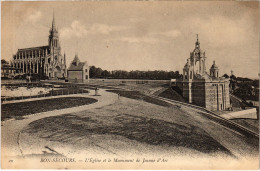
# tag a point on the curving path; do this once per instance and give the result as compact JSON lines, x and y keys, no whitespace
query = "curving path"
{"x":11,"y":128}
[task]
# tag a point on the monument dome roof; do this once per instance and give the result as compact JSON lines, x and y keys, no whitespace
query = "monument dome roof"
{"x":214,"y":66}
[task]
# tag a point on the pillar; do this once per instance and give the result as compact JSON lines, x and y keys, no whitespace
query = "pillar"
{"x":37,"y":65}
{"x":224,"y":96}
{"x":190,"y":92}
{"x":47,"y":70}
{"x":26,"y":68}
{"x":19,"y":66}
{"x":217,"y":97}
{"x":23,"y":62}
{"x":30,"y":67}
{"x":33,"y":67}
{"x":23,"y":66}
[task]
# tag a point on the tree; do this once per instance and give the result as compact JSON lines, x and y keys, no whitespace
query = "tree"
{"x":250,"y":104}
{"x":95,"y":72}
{"x":225,"y":75}
{"x":98,"y":73}
{"x":233,"y":78}
{"x":105,"y":74}
{"x":92,"y":71}
{"x":3,"y":62}
{"x":255,"y":83}
{"x":233,"y":82}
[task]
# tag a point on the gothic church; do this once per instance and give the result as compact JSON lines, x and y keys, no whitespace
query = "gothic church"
{"x":44,"y":60}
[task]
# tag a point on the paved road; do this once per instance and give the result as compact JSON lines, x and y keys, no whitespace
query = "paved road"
{"x":11,"y":129}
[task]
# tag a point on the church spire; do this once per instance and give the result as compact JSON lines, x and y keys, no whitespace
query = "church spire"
{"x":53,"y":22}
{"x":53,"y":25}
{"x":65,"y":59}
{"x":54,"y":36}
{"x":197,"y":44}
{"x":76,"y":59}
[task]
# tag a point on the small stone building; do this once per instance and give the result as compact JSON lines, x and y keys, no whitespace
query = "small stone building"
{"x":199,"y":87}
{"x":78,"y":71}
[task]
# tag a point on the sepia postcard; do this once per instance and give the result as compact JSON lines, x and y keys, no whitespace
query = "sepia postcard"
{"x":160,"y":85}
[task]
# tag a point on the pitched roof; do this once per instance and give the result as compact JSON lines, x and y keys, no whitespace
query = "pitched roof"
{"x":76,"y":65}
{"x":35,"y":50}
{"x":76,"y":59}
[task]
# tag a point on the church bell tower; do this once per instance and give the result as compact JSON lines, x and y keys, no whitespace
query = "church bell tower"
{"x":54,"y":43}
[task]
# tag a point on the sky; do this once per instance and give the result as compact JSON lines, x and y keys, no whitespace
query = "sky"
{"x":139,"y":35}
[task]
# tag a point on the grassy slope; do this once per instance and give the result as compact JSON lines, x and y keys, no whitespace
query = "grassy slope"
{"x":252,"y":124}
{"x":55,"y":92}
{"x":172,"y":94}
{"x":139,"y":127}
{"x":139,"y":96}
{"x":14,"y":110}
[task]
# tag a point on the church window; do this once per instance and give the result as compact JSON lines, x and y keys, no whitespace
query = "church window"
{"x":86,"y":76}
{"x":86,"y":70}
